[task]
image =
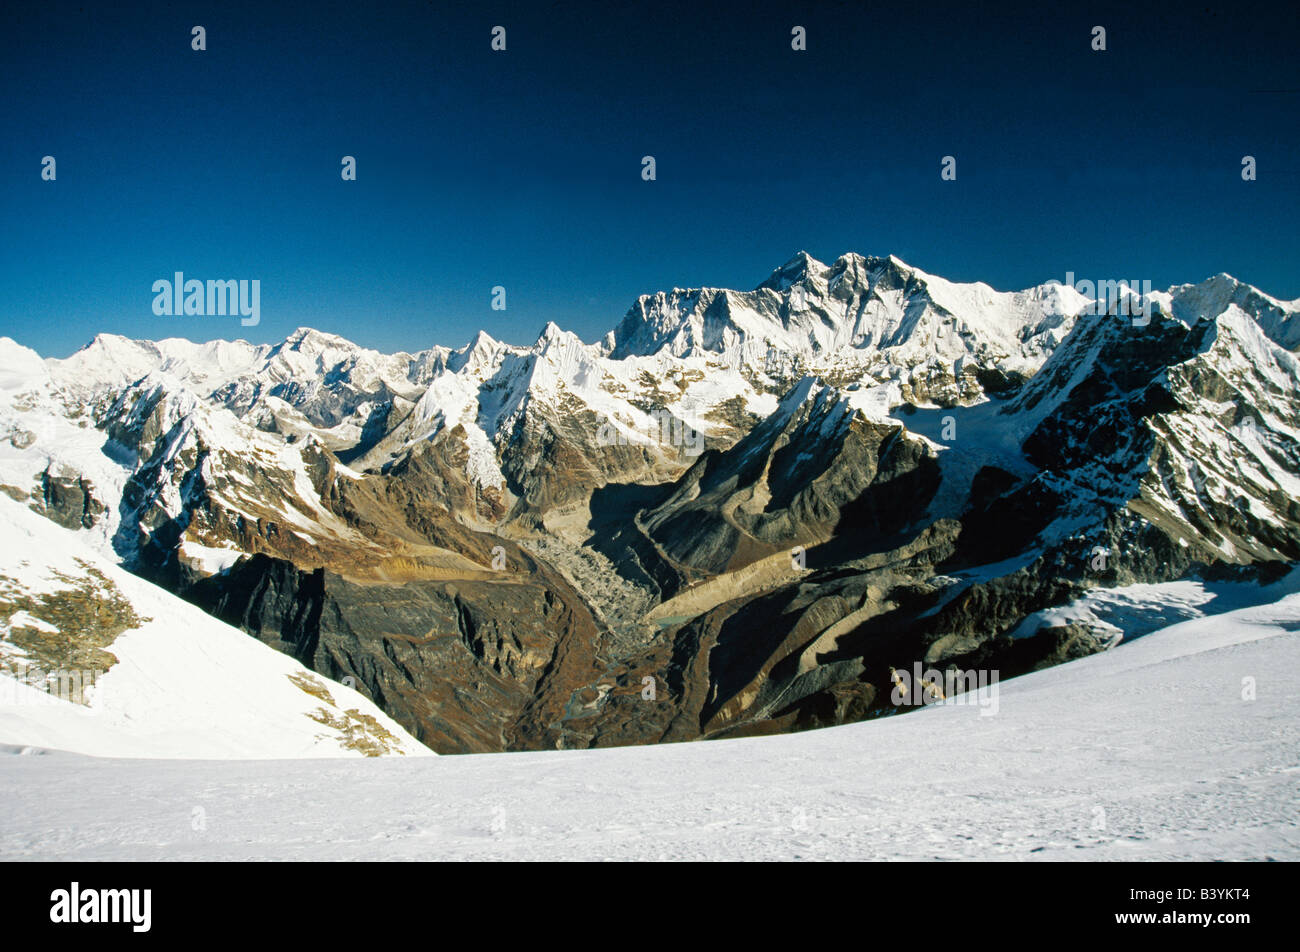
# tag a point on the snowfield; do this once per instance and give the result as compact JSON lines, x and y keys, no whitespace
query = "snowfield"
{"x":1160,"y":749}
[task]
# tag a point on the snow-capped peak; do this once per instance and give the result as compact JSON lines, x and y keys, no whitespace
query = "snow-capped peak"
{"x":21,"y":368}
{"x":312,"y":338}
{"x":1210,"y":298}
{"x":550,"y":333}
{"x":800,"y":266}
{"x":482,"y":353}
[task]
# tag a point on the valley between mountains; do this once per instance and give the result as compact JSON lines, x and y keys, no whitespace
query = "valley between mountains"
{"x":736,"y":514}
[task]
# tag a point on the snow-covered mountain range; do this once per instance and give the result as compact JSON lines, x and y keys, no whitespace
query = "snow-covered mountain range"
{"x":761,"y":501}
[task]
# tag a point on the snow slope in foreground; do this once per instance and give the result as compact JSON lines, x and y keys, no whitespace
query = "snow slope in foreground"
{"x":1149,"y":751}
{"x":183,"y":685}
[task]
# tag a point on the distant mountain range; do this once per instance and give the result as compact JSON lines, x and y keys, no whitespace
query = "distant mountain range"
{"x":519,"y":547}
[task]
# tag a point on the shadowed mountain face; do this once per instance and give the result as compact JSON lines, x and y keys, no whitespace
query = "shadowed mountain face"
{"x":741,"y":512}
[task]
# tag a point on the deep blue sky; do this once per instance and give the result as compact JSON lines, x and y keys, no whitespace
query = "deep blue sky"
{"x":523,"y":168}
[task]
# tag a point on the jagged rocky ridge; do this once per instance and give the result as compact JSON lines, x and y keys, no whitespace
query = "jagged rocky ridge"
{"x":758,"y":503}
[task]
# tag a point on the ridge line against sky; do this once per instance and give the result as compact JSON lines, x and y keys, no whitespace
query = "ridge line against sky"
{"x":528,"y":339}
{"x":522,"y":168}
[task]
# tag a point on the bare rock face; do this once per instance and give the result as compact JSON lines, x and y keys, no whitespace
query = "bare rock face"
{"x":21,"y":439}
{"x":68,"y":499}
{"x":463,"y":665}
